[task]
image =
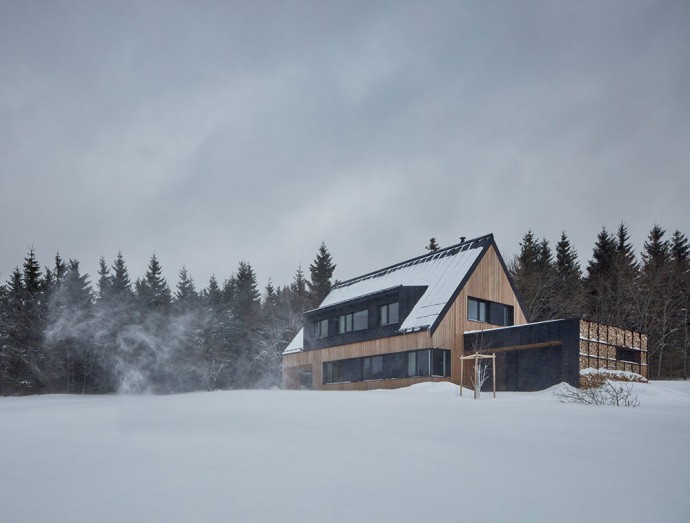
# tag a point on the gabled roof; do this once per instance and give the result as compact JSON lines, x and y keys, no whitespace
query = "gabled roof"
{"x":443,"y":273}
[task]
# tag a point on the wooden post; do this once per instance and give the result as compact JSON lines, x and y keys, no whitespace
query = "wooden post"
{"x":477,"y":358}
{"x":493,"y":365}
{"x":477,"y":385}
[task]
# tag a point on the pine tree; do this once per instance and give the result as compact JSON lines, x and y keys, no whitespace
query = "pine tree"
{"x":599,"y":283}
{"x":624,"y":281}
{"x":73,"y":358}
{"x":153,"y":290}
{"x":212,"y":295}
{"x":321,"y":273}
{"x":186,"y":296}
{"x":656,"y":301}
{"x":569,"y":278}
{"x":656,"y":250}
{"x":274,"y":323}
{"x":299,"y":298}
{"x":246,"y":309}
{"x":104,"y":279}
{"x":14,"y":364}
{"x":535,"y":277}
{"x":680,"y":274}
{"x":121,"y":285}
{"x":217,"y":337}
{"x":246,"y":299}
{"x":680,"y":249}
{"x":433,"y":245}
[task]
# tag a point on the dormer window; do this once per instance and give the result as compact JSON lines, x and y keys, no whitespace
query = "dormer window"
{"x":321,"y":329}
{"x":355,"y":321}
{"x":389,"y":313}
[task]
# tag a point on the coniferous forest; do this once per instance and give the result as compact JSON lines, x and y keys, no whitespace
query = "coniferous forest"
{"x":649,"y":293}
{"x":62,"y":333}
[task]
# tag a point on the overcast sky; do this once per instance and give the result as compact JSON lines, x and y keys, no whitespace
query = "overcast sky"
{"x":215,"y":132}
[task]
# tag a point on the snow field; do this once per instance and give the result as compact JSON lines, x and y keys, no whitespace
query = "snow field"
{"x":416,"y":454}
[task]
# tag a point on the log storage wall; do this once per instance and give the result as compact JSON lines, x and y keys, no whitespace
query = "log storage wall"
{"x":613,"y":348}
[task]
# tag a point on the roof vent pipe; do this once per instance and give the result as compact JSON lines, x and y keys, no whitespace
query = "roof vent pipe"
{"x":462,"y":239}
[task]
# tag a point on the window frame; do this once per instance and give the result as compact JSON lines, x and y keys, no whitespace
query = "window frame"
{"x":319,"y":331}
{"x":353,"y":321}
{"x":385,"y":313}
{"x":480,"y":307}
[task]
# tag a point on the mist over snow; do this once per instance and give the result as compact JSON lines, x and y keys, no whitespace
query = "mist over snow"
{"x":416,"y":454}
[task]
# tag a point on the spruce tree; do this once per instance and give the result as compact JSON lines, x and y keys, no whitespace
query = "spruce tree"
{"x":186,"y":296}
{"x":153,"y":290}
{"x":680,"y":271}
{"x":73,"y":358}
{"x":680,"y":249}
{"x":14,"y":364}
{"x":274,"y":323}
{"x":624,"y":281}
{"x":104,"y":279}
{"x":569,"y":275}
{"x":599,"y":282}
{"x":246,"y":309}
{"x":121,"y":285}
{"x":217,"y":338}
{"x":321,"y":271}
{"x":534,"y":276}
{"x":299,"y":295}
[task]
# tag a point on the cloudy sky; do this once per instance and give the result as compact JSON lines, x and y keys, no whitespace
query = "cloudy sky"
{"x":214,"y":132}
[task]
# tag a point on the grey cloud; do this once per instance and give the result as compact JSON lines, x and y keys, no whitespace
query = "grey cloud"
{"x":226,"y":131}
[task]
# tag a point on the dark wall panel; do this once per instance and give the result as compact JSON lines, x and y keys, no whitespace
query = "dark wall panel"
{"x":533,"y":368}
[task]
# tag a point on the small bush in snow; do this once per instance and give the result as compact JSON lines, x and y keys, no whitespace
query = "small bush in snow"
{"x":619,"y":394}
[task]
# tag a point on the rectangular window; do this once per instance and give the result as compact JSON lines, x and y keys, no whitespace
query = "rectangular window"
{"x":424,"y":362}
{"x":477,"y":310}
{"x":629,"y":355}
{"x":321,"y":329}
{"x":411,"y":363}
{"x":388,"y":314}
{"x":355,"y":321}
{"x":360,"y":321}
{"x":489,"y":312}
{"x":373,"y":368}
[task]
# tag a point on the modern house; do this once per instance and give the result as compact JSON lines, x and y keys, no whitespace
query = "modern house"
{"x":411,"y":322}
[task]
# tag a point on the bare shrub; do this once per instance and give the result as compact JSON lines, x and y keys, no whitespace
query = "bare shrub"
{"x":619,"y":394}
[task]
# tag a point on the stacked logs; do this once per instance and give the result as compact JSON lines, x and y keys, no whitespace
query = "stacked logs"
{"x":608,"y":347}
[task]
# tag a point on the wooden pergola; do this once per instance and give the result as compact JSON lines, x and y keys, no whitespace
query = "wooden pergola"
{"x":476,"y":357}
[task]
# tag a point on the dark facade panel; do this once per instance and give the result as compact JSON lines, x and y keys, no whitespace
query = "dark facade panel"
{"x":406,"y":297}
{"x":529,"y":369}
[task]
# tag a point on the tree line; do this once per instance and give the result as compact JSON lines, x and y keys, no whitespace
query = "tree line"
{"x":61,"y":334}
{"x":650,"y":294}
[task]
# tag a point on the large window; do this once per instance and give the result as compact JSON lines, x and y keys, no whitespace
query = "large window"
{"x":425,"y":362}
{"x":389,"y":313}
{"x":355,"y":321}
{"x":489,"y":312}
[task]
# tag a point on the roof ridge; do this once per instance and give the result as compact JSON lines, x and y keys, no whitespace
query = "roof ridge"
{"x":418,"y":259}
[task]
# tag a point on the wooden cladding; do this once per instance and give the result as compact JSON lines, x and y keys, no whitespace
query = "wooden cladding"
{"x":488,"y":281}
{"x":614,"y":348}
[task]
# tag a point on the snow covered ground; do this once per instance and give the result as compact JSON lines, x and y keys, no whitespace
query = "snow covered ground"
{"x":419,"y":454}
